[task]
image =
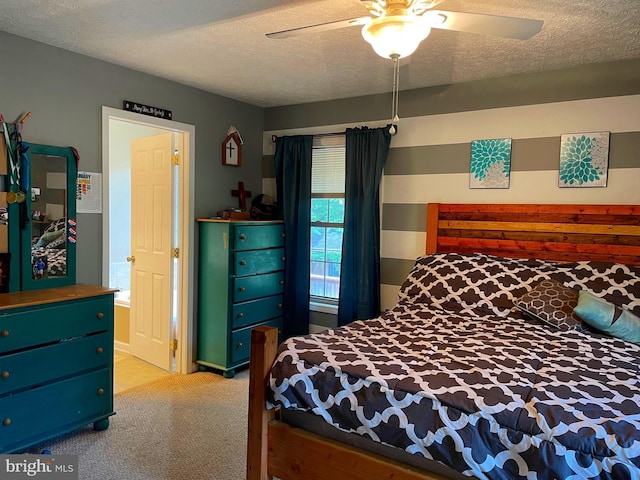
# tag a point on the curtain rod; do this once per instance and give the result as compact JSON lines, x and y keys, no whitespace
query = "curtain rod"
{"x":332,"y":134}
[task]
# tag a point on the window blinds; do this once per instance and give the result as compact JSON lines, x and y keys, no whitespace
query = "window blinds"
{"x":328,"y":170}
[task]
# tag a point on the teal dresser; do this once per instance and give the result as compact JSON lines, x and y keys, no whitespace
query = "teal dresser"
{"x":56,"y":363}
{"x":241,"y":281}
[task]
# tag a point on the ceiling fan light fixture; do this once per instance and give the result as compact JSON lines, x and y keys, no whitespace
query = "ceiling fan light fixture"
{"x":395,"y":35}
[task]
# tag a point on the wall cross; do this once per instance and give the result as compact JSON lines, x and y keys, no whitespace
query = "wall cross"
{"x":242,"y":195}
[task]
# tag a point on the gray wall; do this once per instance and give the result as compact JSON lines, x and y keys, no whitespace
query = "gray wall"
{"x":65,"y":93}
{"x":587,"y":81}
{"x":429,"y":157}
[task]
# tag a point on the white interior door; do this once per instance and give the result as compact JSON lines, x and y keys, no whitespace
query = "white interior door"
{"x":151,"y":246}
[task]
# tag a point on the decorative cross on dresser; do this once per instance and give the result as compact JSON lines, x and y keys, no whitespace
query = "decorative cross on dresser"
{"x":242,"y":195}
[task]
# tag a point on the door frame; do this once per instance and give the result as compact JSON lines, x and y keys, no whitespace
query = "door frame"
{"x":186,"y":228}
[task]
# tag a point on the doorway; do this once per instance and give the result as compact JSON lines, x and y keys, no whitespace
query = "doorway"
{"x":119,"y":128}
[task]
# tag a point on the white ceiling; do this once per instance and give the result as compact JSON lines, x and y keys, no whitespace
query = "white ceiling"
{"x":220,"y":45}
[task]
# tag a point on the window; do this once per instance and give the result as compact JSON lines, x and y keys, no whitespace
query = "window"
{"x":327,"y":216}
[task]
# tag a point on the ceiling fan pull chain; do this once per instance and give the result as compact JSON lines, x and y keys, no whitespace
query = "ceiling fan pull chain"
{"x":394,"y":94}
{"x":396,"y":81}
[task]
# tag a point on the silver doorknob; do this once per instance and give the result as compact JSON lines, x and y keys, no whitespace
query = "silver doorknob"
{"x":131,"y":259}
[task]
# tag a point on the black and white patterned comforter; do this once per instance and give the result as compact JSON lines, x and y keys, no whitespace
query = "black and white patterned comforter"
{"x":494,"y":396}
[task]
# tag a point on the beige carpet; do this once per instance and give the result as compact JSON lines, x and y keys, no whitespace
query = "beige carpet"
{"x":178,"y":427}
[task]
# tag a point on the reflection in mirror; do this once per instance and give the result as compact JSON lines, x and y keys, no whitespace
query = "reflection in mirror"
{"x":48,"y":216}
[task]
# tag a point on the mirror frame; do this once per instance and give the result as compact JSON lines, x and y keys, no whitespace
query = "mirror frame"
{"x":26,"y":224}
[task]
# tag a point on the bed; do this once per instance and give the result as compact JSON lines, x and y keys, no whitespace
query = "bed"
{"x":483,"y":369}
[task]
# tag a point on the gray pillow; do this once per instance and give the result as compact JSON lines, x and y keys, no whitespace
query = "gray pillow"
{"x":552,"y":303}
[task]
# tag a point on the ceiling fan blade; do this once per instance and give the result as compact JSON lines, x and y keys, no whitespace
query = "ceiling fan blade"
{"x":508,"y":27}
{"x":321,"y":27}
{"x":418,"y":7}
{"x":415,"y":7}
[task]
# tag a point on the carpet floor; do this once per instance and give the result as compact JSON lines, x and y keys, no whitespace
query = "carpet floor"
{"x":177,"y":427}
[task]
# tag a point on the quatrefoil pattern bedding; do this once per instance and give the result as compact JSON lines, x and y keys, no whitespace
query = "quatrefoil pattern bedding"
{"x":484,"y":282}
{"x":484,"y":389}
{"x":54,"y":252}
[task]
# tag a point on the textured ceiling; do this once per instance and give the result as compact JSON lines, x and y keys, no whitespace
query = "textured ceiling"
{"x":220,"y":45}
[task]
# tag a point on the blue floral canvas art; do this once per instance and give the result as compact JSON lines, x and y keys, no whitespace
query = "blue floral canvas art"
{"x":584,"y":159}
{"x":490,"y":163}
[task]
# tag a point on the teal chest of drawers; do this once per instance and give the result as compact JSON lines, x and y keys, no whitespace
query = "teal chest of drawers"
{"x":56,"y":363}
{"x":241,"y":281}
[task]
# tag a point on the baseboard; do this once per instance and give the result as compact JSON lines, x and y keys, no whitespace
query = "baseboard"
{"x":121,"y":346}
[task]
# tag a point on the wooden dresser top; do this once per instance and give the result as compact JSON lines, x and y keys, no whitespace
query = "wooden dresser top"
{"x":51,"y":295}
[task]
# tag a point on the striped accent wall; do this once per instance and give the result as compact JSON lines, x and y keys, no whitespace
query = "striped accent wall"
{"x":429,"y":162}
{"x":434,"y":167}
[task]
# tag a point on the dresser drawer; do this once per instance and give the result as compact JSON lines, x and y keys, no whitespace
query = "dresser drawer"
{"x":254,"y":311}
{"x":253,"y":237}
{"x":39,"y":365}
{"x":252,"y":262}
{"x":248,"y":288}
{"x":45,"y":411}
{"x":241,"y":340}
{"x":52,"y":322}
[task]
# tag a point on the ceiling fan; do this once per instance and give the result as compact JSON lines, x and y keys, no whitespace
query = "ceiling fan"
{"x":396,"y":27}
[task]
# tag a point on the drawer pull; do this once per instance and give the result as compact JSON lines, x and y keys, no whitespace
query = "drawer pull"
{"x":279,"y":305}
{"x":4,"y":333}
{"x":243,"y":237}
{"x":282,"y":258}
{"x":100,"y":315}
{"x":4,"y":374}
{"x":240,"y":315}
{"x":282,"y":234}
{"x":6,"y":422}
{"x":243,"y":263}
{"x":242,"y":289}
{"x":101,"y":391}
{"x":281,"y":282}
{"x":99,"y":350}
{"x":239,"y":345}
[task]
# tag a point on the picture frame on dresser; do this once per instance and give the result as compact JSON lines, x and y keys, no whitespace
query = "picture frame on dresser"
{"x":5,"y":270}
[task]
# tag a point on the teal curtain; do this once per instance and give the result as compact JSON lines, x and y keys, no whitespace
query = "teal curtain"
{"x":366,"y":154}
{"x":293,"y":181}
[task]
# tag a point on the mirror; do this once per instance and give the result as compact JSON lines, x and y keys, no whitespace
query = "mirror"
{"x":48,"y":218}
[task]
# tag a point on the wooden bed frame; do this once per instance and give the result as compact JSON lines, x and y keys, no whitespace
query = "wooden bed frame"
{"x":553,"y":232}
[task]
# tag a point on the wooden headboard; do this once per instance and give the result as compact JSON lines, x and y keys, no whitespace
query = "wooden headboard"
{"x":565,"y":233}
